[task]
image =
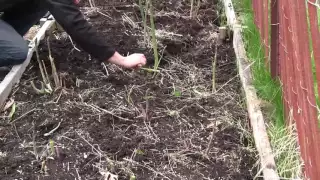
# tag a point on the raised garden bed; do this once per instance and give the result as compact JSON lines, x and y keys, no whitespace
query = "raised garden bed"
{"x":107,"y":120}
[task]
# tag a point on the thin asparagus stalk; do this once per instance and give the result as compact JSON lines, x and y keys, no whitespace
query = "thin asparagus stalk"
{"x":154,"y":40}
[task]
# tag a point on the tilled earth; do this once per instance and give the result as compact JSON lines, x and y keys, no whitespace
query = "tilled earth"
{"x":106,"y":121}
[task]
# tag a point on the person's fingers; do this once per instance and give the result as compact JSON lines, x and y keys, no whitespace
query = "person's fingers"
{"x":144,"y":60}
{"x":138,"y":60}
{"x":137,"y":67}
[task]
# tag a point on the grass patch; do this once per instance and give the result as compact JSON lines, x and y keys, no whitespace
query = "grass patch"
{"x":267,"y":88}
{"x":283,"y":139}
{"x":287,"y":155}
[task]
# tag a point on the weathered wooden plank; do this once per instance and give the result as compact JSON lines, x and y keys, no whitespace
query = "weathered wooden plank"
{"x":231,"y":16}
{"x":257,"y":122}
{"x":13,"y":77}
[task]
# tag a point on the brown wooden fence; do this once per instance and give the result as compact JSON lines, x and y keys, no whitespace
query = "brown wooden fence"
{"x":289,"y":31}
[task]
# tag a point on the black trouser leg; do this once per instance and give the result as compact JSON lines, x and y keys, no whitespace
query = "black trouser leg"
{"x":24,"y":15}
{"x":13,"y":48}
{"x":14,"y":23}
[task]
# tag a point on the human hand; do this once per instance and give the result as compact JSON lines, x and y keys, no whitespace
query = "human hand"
{"x":135,"y":60}
{"x":132,"y":61}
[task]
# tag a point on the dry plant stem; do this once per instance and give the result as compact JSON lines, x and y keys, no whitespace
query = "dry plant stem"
{"x":93,"y":148}
{"x":129,"y":99}
{"x":61,"y":80}
{"x":53,"y":67}
{"x":42,"y":166}
{"x":191,"y":9}
{"x":92,"y":3}
{"x":53,"y":130}
{"x":59,"y":96}
{"x":198,"y":7}
{"x":25,"y":115}
{"x":233,"y":78}
{"x":147,"y":167}
{"x":73,"y":44}
{"x":103,"y":14}
{"x":78,"y":174}
{"x":105,"y":68}
{"x":46,"y":73}
{"x":38,"y":91}
{"x":15,"y":129}
{"x":108,"y":112}
{"x":144,"y":112}
{"x":48,"y":88}
{"x":150,"y":70}
{"x":210,"y":142}
{"x":34,"y":142}
{"x":146,"y":117}
{"x":214,"y":70}
{"x":39,"y":62}
{"x":147,"y":105}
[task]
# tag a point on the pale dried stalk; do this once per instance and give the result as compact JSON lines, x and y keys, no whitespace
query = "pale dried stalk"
{"x":44,"y":74}
{"x":34,"y":141}
{"x":191,"y":9}
{"x":214,"y":70}
{"x":92,"y":3}
{"x":53,"y":67}
{"x":38,"y":91}
{"x":39,"y":62}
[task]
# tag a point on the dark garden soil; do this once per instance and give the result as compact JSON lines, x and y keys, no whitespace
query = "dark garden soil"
{"x":110,"y":121}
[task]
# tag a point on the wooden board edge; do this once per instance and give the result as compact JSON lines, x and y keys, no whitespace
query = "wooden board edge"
{"x":257,"y":122}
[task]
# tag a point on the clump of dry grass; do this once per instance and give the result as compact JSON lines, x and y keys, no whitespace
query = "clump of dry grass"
{"x":286,"y":151}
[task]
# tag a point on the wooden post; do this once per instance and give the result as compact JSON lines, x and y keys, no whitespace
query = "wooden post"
{"x":274,"y":59}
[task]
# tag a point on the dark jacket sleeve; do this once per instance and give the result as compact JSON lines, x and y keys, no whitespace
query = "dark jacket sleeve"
{"x":68,"y":15}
